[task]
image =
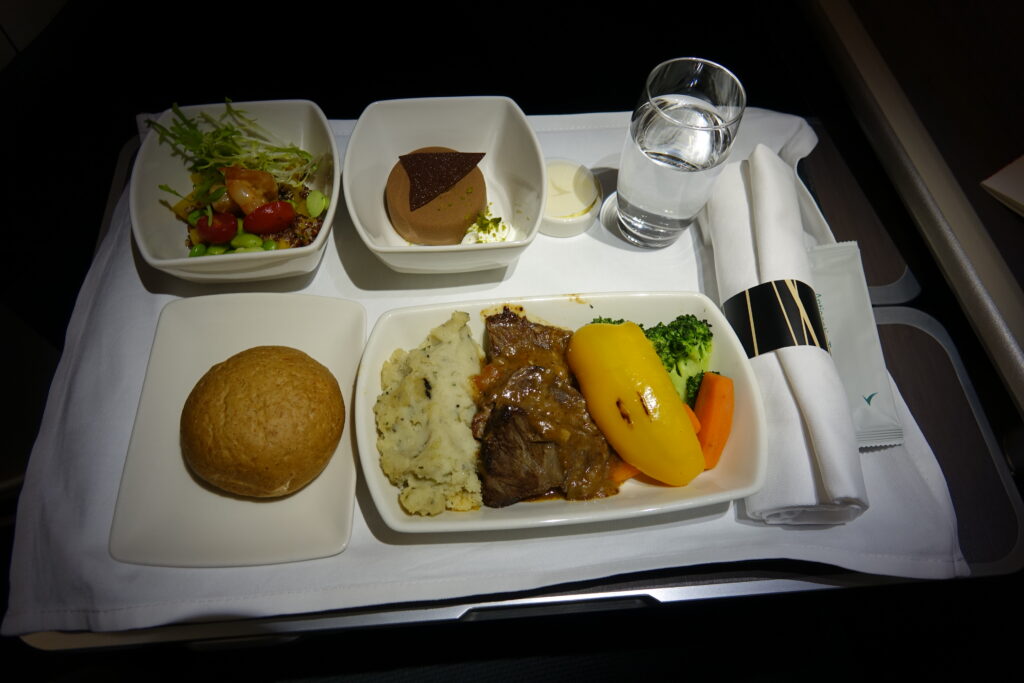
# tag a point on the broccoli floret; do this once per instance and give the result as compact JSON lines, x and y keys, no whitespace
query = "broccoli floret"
{"x":684,"y":347}
{"x":608,"y":321}
{"x":692,"y":387}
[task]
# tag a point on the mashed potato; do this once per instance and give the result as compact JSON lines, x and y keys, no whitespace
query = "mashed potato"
{"x":423,"y":417}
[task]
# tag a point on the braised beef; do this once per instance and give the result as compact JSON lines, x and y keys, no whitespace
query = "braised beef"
{"x":536,"y":434}
{"x":510,"y":336}
{"x":518,"y":461}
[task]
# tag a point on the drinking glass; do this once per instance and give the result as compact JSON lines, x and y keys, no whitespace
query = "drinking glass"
{"x":678,"y":142}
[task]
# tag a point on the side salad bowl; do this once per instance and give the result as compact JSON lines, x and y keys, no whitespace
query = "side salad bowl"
{"x":161,"y":235}
{"x":513,"y":169}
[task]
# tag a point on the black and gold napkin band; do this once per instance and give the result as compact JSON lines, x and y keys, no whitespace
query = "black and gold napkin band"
{"x":776,"y":314}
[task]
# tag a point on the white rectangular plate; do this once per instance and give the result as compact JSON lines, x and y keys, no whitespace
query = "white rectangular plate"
{"x":739,"y":473}
{"x":163,"y":515}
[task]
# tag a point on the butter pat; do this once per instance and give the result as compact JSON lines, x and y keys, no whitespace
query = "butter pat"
{"x":574,"y":199}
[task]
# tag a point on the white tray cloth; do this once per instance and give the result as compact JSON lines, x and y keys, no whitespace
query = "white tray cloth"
{"x":63,"y":577}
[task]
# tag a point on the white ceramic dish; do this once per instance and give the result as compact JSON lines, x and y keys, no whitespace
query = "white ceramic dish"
{"x":163,"y":515}
{"x":513,"y":169}
{"x":160,"y":236}
{"x":739,"y":473}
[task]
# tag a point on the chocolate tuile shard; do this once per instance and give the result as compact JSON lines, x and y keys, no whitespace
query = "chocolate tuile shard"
{"x":432,"y":173}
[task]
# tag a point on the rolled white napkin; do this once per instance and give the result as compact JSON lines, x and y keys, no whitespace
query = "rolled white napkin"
{"x":814,"y":470}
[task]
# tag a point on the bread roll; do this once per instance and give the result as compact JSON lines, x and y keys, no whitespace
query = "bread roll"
{"x":263,"y":423}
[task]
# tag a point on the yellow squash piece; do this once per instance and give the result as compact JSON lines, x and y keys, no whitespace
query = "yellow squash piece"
{"x":632,"y":400}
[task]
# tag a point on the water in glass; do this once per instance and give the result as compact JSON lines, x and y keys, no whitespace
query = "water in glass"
{"x":674,"y":151}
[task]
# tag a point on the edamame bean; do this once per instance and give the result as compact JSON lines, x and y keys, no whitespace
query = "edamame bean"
{"x":269,"y":245}
{"x":197,"y":250}
{"x":245,"y":240}
{"x":216,"y":250}
{"x":316,"y":202}
{"x":246,"y":250}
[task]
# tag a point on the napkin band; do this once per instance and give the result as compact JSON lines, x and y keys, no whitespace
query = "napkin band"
{"x":776,"y":314}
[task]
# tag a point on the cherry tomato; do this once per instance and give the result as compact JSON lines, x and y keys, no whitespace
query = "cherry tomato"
{"x":270,"y":217}
{"x":223,"y":227}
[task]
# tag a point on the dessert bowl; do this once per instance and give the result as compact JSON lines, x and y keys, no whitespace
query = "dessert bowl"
{"x":160,"y":235}
{"x":512,"y":165}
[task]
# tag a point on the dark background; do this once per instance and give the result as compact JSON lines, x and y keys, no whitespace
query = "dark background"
{"x":69,"y":102}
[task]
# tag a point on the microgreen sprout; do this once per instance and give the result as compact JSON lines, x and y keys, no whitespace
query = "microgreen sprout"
{"x":207,"y":144}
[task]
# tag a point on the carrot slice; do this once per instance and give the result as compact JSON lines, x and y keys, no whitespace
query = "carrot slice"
{"x":694,"y":420}
{"x":714,"y":408}
{"x":622,"y":470}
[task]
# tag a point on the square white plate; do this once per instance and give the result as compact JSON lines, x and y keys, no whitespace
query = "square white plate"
{"x":739,"y":473}
{"x":163,"y":515}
